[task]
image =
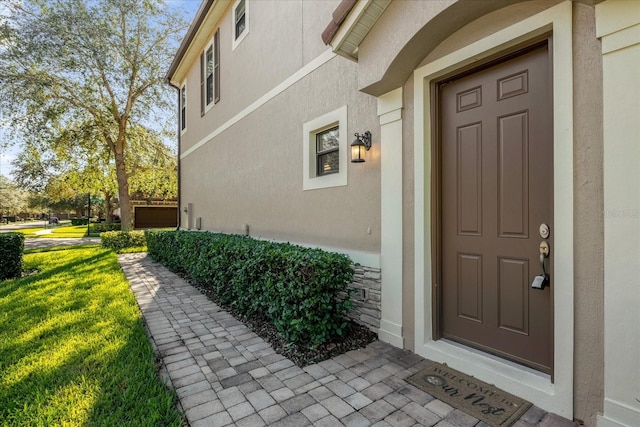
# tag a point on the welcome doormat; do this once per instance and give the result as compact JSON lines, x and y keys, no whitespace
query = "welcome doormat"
{"x":477,"y":398}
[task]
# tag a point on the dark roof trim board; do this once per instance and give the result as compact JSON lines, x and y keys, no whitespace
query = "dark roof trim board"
{"x":204,"y":8}
{"x":338,"y":17}
{"x":351,"y":22}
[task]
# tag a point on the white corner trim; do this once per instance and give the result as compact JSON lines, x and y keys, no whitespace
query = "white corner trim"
{"x":619,"y":28}
{"x":603,"y":421}
{"x":391,"y":242}
{"x":621,"y":39}
{"x":614,"y":16}
{"x":391,"y":333}
{"x":310,"y":178}
{"x":618,"y":414}
{"x":557,"y":396}
{"x":390,"y":101}
{"x":390,"y":117}
{"x":313,"y":65}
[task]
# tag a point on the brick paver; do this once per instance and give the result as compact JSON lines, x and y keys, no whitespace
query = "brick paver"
{"x":224,"y":374}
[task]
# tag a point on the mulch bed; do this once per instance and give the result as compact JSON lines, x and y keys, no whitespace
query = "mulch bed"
{"x":354,"y":337}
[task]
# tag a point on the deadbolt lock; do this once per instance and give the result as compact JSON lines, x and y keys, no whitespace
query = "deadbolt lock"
{"x":544,"y":231}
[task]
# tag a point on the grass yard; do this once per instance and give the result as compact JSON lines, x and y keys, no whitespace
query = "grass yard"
{"x":29,"y":232}
{"x":73,"y":350}
{"x":71,"y":231}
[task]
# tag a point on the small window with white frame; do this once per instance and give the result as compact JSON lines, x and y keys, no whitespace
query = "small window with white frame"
{"x":183,"y":108}
{"x":240,"y":21}
{"x":210,"y":74}
{"x":324,"y":148}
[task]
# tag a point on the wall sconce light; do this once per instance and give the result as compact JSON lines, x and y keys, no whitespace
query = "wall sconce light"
{"x":361,"y":144}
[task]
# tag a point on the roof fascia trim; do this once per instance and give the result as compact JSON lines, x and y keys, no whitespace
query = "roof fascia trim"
{"x":198,"y":35}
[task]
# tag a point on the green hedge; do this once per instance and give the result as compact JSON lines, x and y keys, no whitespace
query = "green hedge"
{"x":11,"y":248}
{"x":104,"y":226}
{"x":79,"y":221}
{"x":117,"y":240}
{"x":303,"y":292}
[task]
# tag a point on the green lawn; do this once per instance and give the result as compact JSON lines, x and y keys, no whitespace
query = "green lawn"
{"x":70,"y":231}
{"x":29,"y":232}
{"x":73,"y":350}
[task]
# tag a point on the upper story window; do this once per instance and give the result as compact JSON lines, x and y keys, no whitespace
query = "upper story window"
{"x":240,"y":21}
{"x":210,"y":74}
{"x":183,"y":108}
{"x":324,"y":151}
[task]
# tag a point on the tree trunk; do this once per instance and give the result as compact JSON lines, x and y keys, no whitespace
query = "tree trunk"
{"x":123,"y":189}
{"x":107,"y":208}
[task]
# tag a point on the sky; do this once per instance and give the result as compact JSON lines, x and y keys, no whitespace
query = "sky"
{"x":7,"y":154}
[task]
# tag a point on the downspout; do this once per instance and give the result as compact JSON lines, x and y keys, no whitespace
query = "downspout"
{"x":178,"y":159}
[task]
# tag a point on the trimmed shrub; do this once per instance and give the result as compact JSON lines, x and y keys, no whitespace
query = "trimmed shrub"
{"x":117,"y":240}
{"x":79,"y":221}
{"x":303,"y":292}
{"x":104,"y":226}
{"x":11,"y":248}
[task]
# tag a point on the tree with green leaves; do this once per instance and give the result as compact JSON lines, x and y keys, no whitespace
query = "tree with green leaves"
{"x":76,"y":162}
{"x":12,"y":199}
{"x":70,"y":62}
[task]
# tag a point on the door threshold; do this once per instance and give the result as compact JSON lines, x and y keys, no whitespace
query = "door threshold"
{"x":520,"y":380}
{"x":499,"y":360}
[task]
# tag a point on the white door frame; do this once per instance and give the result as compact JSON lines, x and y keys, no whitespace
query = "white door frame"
{"x":556,"y":396}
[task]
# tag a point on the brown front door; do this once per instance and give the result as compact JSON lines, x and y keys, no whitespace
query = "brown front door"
{"x":496,"y":186}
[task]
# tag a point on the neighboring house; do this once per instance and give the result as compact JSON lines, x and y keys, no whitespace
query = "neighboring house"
{"x":499,"y":129}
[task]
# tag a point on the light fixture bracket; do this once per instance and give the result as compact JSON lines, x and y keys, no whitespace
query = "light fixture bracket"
{"x":365,"y":138}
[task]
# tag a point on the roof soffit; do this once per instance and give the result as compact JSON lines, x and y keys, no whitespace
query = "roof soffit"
{"x":199,"y":34}
{"x":356,"y":26}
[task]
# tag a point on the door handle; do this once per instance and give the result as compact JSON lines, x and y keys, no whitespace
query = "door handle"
{"x":539,"y":282}
{"x":544,"y":252}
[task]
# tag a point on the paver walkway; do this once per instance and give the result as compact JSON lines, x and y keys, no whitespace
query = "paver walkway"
{"x":225,"y":374}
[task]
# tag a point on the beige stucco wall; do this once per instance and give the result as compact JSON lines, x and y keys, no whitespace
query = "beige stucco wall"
{"x":314,"y":16}
{"x":588,"y":182}
{"x":280,"y":41}
{"x":399,"y":22}
{"x":252,"y":172}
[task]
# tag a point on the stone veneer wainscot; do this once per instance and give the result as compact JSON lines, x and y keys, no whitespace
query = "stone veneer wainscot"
{"x":366,"y":297}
